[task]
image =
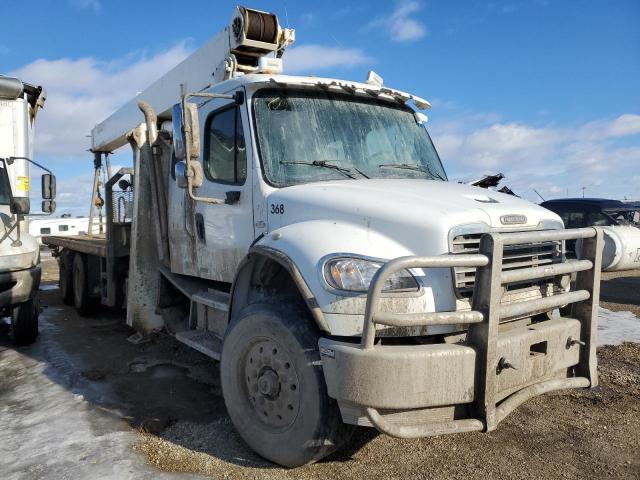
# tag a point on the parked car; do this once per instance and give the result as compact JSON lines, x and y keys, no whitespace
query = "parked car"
{"x":620,"y":221}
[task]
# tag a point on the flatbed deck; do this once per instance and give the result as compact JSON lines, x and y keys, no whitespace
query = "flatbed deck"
{"x":90,"y":244}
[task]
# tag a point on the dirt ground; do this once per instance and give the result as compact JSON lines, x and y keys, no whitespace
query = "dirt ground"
{"x":84,"y":403}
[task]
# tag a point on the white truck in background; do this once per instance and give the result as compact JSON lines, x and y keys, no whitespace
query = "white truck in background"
{"x":20,"y":251}
{"x":302,"y":231}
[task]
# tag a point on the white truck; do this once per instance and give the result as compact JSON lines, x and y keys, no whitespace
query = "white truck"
{"x":302,"y":231}
{"x":19,"y":251}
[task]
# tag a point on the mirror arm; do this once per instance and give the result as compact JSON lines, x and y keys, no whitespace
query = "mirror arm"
{"x":10,"y":161}
{"x":213,"y":201}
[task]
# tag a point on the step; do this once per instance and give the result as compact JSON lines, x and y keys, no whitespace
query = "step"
{"x":203,"y":341}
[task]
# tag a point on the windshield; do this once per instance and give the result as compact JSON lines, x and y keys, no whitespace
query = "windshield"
{"x":5,"y":187}
{"x":310,"y":136}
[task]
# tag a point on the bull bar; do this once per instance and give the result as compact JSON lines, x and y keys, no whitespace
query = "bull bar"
{"x":572,"y":339}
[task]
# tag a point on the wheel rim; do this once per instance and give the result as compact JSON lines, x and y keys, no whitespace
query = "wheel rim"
{"x":271,"y":383}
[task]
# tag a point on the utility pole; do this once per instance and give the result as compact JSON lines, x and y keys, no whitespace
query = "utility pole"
{"x":583,"y":189}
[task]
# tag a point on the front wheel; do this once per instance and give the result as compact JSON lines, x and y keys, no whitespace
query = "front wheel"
{"x":24,"y":323}
{"x":274,"y":389}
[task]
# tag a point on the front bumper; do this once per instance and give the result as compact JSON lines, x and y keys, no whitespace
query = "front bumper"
{"x":19,"y":286}
{"x":421,"y":390}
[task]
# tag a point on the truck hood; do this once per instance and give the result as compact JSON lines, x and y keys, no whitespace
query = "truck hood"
{"x":417,"y":213}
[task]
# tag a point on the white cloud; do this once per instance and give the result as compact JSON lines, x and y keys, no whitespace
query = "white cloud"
{"x":552,"y":159}
{"x":82,"y":92}
{"x":402,"y":25}
{"x":312,"y":58}
{"x":94,"y":5}
{"x":624,"y":125}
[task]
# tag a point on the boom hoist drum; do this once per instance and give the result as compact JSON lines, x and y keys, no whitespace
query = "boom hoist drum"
{"x":254,"y":34}
{"x":255,"y":25}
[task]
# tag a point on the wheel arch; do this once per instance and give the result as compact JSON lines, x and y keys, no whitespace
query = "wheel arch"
{"x":262,"y":267}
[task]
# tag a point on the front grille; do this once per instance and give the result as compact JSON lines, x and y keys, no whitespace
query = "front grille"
{"x":515,"y":256}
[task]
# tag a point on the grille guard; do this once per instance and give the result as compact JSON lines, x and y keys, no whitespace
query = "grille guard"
{"x":484,"y":318}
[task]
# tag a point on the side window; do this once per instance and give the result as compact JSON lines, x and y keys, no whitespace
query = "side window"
{"x":576,"y":220}
{"x":45,"y":231}
{"x":599,"y":219}
{"x":63,"y":228}
{"x":225,"y":158}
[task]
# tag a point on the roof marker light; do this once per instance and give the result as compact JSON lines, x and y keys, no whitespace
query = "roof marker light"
{"x":374,"y":79}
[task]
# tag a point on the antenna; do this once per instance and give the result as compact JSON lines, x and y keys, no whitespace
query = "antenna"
{"x":583,"y":189}
{"x":539,"y":195}
{"x":286,"y":14}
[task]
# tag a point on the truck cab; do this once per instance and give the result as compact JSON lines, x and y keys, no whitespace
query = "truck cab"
{"x":339,"y":180}
{"x":19,"y":251}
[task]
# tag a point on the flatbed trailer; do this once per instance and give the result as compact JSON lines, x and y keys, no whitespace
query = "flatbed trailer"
{"x":98,"y":263}
{"x":87,"y":244}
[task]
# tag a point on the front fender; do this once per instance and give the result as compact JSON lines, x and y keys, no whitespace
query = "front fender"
{"x":308,"y":243}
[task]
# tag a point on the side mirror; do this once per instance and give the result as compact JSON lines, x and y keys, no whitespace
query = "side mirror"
{"x":192,"y":131}
{"x":178,"y":139}
{"x":48,"y":206}
{"x":48,"y":186}
{"x":185,"y":129}
{"x":20,"y":205}
{"x":180,"y":170}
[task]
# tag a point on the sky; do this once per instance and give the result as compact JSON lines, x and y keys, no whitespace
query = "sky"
{"x":544,"y":91}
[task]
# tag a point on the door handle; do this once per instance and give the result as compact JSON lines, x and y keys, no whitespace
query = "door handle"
{"x":200,"y":226}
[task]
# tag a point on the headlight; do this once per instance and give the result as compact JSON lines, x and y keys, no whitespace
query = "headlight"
{"x":355,"y":275}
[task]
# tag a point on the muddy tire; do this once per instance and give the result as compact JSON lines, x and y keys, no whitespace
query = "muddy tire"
{"x":65,"y":270}
{"x":81,"y":300}
{"x":274,"y":388}
{"x":24,"y":323}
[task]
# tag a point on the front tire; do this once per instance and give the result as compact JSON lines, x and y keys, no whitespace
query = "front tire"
{"x":24,"y":323}
{"x":274,"y":388}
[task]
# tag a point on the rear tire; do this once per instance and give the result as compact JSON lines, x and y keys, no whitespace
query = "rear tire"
{"x":81,"y":299}
{"x":274,"y":388}
{"x":65,"y":270}
{"x":24,"y":323}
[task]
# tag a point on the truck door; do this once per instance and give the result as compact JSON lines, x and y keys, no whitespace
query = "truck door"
{"x":223,"y":232}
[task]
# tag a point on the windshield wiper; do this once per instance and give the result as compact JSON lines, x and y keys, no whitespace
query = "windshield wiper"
{"x":323,"y":164}
{"x":416,"y":168}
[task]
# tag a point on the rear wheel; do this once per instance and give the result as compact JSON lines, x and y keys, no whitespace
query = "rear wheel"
{"x":274,"y":388}
{"x":65,"y":269}
{"x":24,"y":323}
{"x":81,"y":299}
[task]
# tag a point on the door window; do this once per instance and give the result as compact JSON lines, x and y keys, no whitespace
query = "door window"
{"x":576,"y":220}
{"x":225,"y":158}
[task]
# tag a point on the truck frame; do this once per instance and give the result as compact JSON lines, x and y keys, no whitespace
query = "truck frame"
{"x":327,"y":307}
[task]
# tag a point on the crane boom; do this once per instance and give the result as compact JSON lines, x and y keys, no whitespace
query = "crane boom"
{"x":236,"y":50}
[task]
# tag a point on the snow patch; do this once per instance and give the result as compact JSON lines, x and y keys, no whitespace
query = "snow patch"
{"x":615,"y":328}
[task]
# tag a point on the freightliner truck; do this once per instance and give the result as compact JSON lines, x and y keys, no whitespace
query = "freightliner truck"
{"x":303,"y":231}
{"x":19,"y":251}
